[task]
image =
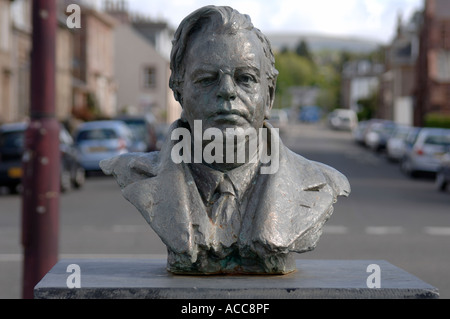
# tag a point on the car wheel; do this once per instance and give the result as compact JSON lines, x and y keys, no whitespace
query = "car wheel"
{"x":441,"y":183}
{"x":14,"y":189}
{"x":407,"y":169}
{"x":80,"y":177}
{"x":404,"y":167}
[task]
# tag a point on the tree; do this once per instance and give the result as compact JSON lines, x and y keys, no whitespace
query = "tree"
{"x":294,"y":70}
{"x":302,"y":50}
{"x":368,"y":106}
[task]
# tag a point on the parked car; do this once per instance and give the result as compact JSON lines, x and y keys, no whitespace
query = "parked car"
{"x":11,"y":150}
{"x":443,"y":173}
{"x":343,"y":119}
{"x":396,"y":144}
{"x":278,"y":118}
{"x":162,"y":133}
{"x":144,"y":131}
{"x":12,"y":147}
{"x":99,"y":140}
{"x":359,"y":132}
{"x":426,"y":152}
{"x":310,"y":114}
{"x":73,"y":174}
{"x":378,"y":133}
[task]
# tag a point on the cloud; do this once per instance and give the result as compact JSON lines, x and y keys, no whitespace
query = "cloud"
{"x":374,"y":19}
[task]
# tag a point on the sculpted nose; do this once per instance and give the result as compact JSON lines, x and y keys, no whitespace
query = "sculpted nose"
{"x":227,"y":88}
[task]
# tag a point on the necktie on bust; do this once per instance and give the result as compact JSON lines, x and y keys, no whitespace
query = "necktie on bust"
{"x":225,"y":210}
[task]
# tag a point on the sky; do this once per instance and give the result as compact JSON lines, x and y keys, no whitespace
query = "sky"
{"x":366,"y":19}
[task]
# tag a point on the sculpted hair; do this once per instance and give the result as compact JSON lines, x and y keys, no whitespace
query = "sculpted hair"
{"x":224,"y":20}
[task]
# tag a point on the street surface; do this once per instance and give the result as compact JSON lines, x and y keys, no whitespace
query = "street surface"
{"x":387,"y":217}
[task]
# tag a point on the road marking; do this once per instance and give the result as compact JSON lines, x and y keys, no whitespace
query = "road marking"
{"x":384,"y":230}
{"x":10,"y":257}
{"x":437,"y":231}
{"x":335,"y":229}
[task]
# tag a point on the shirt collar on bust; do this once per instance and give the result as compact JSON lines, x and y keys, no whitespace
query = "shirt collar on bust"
{"x":208,"y":179}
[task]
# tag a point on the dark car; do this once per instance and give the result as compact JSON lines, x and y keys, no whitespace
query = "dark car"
{"x":144,"y":132}
{"x":12,"y":149}
{"x":443,"y":173}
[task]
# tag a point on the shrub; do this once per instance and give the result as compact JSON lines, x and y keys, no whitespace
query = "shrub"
{"x":437,"y":120}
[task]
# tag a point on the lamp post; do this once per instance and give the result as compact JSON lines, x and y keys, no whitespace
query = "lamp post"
{"x":41,"y":160}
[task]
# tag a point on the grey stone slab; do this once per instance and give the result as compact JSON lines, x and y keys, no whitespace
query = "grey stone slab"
{"x":148,"y":278}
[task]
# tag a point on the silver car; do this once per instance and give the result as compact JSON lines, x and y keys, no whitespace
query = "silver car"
{"x":396,"y":144}
{"x":426,"y":153}
{"x":100,"y":140}
{"x":443,"y":174}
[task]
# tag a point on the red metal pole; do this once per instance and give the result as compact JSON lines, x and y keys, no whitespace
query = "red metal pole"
{"x":41,"y":162}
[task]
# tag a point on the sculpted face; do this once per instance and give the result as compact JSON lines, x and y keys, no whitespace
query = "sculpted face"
{"x":225,"y":83}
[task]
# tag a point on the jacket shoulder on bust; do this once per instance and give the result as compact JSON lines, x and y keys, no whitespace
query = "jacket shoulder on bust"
{"x":131,"y":167}
{"x":336,"y":179}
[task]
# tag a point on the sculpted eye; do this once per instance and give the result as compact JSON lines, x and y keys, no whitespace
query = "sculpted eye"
{"x":206,"y":80}
{"x":245,"y":79}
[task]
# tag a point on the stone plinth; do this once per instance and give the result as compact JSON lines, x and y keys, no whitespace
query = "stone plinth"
{"x":142,"y":278}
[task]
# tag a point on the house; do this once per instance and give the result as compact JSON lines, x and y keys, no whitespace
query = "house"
{"x":432,"y":87}
{"x":15,"y":50}
{"x":142,"y":76}
{"x":360,"y":79}
{"x":397,"y":83}
{"x":158,"y":33}
{"x":5,"y":60}
{"x":142,"y":64}
{"x":94,"y":87}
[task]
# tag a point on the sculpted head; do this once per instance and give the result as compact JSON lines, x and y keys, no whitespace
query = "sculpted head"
{"x":223,"y":70}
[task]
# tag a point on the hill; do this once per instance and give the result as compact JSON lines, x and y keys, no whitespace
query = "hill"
{"x":322,"y":42}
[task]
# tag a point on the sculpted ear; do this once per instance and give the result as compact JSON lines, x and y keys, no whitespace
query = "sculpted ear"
{"x":269,"y":101}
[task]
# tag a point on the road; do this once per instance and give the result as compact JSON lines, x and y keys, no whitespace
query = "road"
{"x":387,"y":217}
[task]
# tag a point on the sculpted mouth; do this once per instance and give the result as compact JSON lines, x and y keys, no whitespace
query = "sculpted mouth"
{"x":233,"y":116}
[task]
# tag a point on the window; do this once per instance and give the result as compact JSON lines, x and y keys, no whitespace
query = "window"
{"x":149,"y":77}
{"x":97,"y":134}
{"x":445,"y":35}
{"x":443,"y":65}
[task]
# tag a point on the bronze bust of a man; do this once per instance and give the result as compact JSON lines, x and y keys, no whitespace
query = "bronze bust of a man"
{"x":216,"y":211}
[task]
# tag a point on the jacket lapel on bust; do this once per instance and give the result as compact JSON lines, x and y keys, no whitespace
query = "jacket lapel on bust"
{"x":287,"y":207}
{"x":169,"y":202}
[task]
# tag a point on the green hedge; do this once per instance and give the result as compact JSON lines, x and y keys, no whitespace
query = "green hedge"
{"x":437,"y":120}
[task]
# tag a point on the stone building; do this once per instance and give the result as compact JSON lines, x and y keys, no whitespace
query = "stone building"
{"x":142,"y":64}
{"x":15,"y":51}
{"x":397,"y":83}
{"x":432,"y":89}
{"x":5,"y":60}
{"x":360,"y":79}
{"x":94,"y":90}
{"x":142,"y":76}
